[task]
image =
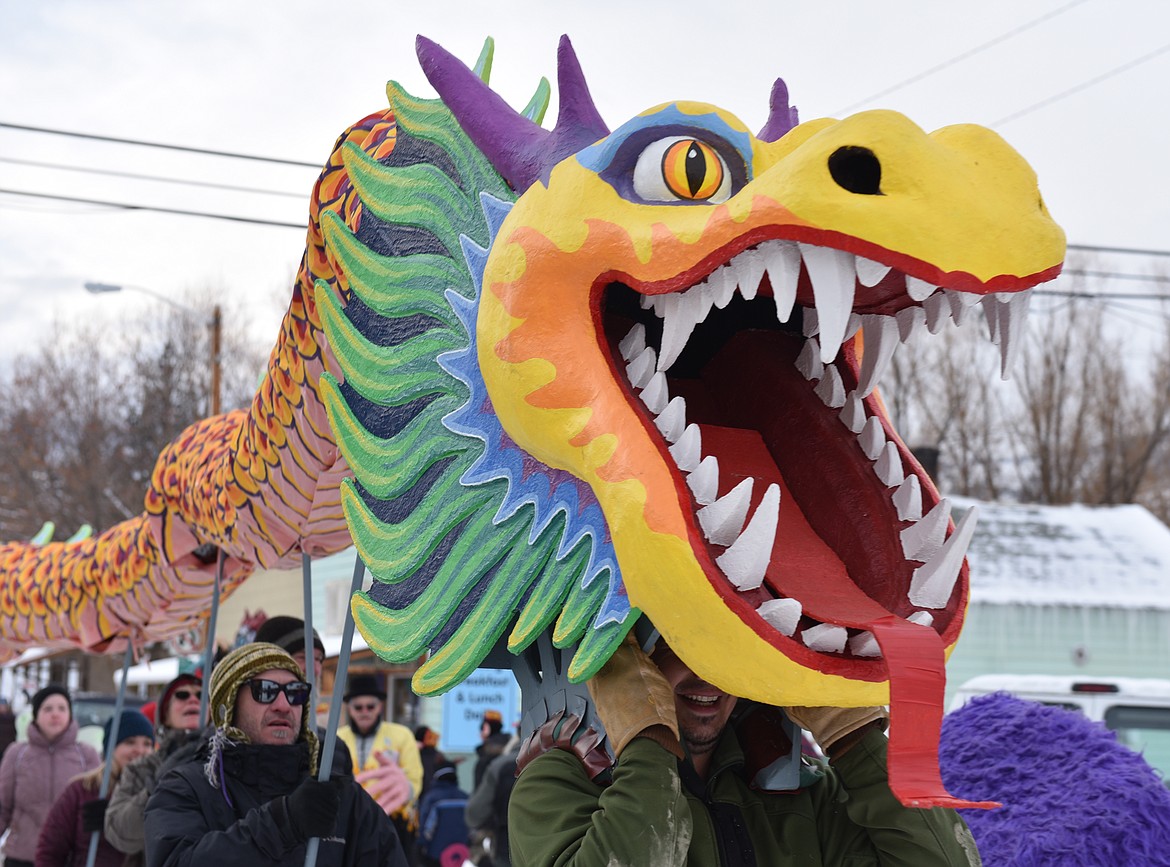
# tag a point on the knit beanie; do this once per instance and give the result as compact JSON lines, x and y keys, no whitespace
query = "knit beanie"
{"x":228,"y":677}
{"x":287,"y":633}
{"x":132,"y":724}
{"x":45,"y":692}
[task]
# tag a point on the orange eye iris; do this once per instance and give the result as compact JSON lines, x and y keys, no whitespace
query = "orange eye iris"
{"x":692,"y":169}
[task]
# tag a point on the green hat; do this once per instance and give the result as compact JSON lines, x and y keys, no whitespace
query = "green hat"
{"x":229,"y":677}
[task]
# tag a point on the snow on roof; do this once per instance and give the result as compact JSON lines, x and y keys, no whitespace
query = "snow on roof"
{"x":1102,"y":556}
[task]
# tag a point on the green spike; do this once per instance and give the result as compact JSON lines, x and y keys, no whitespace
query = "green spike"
{"x":548,"y":596}
{"x":44,"y":535}
{"x":483,"y":66}
{"x":85,"y":531}
{"x":538,"y":105}
{"x":580,"y":608}
{"x":598,"y":645}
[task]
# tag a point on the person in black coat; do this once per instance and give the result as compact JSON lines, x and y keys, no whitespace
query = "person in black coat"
{"x":252,"y":799}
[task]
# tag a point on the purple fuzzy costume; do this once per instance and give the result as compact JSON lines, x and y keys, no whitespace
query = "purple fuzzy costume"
{"x":1071,"y":794}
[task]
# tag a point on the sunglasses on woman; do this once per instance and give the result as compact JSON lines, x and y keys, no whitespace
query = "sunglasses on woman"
{"x":265,"y":691}
{"x":184,"y":694}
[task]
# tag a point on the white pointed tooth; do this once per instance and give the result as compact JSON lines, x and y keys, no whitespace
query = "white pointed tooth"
{"x":853,"y":325}
{"x":908,"y":500}
{"x":660,"y":304}
{"x":938,"y":312}
{"x":783,"y":615}
{"x":810,"y":326}
{"x":833,"y":281}
{"x":917,"y":289}
{"x":961,"y":303}
{"x":872,"y":438}
{"x":647,"y":301}
{"x":922,"y":618}
{"x":782,"y":262}
{"x":748,"y":267}
{"x":864,"y":644}
{"x":991,"y":314}
{"x":746,"y":561}
{"x":1013,"y":319}
{"x":633,"y":343}
{"x":704,"y":482}
{"x":688,"y":450}
{"x":830,"y":389}
{"x":922,"y":540}
{"x":677,"y":324}
{"x":723,"y":519}
{"x":933,"y":582}
{"x":673,"y":420}
{"x":880,"y":340}
{"x":642,"y":368}
{"x":853,"y":413}
{"x":909,"y":321}
{"x":825,"y":638}
{"x":655,"y":395}
{"x":809,"y":361}
{"x":869,"y":272}
{"x":722,"y":286}
{"x":888,"y":467}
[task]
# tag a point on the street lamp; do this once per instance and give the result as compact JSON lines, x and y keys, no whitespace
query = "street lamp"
{"x":216,"y":325}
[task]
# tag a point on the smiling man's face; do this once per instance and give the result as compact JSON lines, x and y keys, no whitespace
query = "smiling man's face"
{"x":702,"y":709}
{"x":273,"y":724}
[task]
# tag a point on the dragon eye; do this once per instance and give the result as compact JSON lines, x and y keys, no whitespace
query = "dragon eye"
{"x":681,"y":169}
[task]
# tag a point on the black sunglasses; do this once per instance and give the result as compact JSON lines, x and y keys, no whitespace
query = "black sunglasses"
{"x":295,"y":691}
{"x":184,"y":694}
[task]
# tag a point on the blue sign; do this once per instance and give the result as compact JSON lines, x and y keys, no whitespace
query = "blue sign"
{"x":463,"y":707}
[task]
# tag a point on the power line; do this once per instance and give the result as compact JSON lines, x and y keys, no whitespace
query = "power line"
{"x":129,"y":207}
{"x":1114,"y":275}
{"x":1090,"y":248}
{"x":151,"y":144}
{"x":960,"y":57}
{"x":1125,"y":67}
{"x":1105,"y":296}
{"x":141,"y":177}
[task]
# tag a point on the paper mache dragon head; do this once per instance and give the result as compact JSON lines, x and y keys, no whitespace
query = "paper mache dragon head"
{"x":582,"y":375}
{"x":598,"y":373}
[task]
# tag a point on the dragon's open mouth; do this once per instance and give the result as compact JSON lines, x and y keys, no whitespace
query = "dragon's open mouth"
{"x":815,"y":521}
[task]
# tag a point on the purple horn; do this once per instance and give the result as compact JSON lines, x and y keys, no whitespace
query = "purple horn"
{"x":781,"y":116}
{"x":519,"y":149}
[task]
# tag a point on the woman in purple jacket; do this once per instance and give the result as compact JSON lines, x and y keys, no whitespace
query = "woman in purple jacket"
{"x":78,"y":812}
{"x":33,"y":774}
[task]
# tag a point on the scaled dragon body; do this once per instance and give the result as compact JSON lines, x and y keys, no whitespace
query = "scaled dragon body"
{"x":580,"y":375}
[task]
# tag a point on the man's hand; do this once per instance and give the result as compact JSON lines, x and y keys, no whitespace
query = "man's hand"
{"x":312,"y":808}
{"x":93,"y":815}
{"x":632,"y":697}
{"x":831,"y":726}
{"x":387,"y":783}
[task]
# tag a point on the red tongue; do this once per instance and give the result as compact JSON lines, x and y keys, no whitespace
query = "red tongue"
{"x":803,"y":567}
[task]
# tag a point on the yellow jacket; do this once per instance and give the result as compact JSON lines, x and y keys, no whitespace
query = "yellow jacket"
{"x":392,"y":738}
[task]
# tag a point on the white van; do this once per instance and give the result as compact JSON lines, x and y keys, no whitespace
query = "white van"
{"x":1138,"y":709}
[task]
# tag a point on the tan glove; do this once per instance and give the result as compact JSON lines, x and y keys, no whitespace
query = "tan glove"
{"x":828,"y":725}
{"x":632,"y":698}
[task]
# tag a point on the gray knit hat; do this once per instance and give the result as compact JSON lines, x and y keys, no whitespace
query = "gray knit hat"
{"x":228,"y":678}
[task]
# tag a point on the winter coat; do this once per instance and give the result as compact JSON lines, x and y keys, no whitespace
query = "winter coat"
{"x":32,"y":776}
{"x":658,"y":812}
{"x":63,"y":843}
{"x":190,"y":823}
{"x":125,"y":816}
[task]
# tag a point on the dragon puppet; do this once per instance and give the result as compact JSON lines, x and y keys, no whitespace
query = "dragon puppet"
{"x":548,"y":381}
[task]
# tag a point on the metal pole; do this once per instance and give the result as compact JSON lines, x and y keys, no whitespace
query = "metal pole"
{"x":327,"y":749}
{"x":209,"y":643}
{"x":115,"y":723}
{"x":307,"y":590}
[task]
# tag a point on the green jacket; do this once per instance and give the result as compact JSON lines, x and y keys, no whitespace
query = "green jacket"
{"x":648,"y":818}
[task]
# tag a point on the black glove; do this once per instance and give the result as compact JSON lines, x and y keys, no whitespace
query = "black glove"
{"x":312,"y":808}
{"x":93,"y":815}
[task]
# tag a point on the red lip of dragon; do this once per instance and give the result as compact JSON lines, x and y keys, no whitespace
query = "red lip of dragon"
{"x":693,"y":320}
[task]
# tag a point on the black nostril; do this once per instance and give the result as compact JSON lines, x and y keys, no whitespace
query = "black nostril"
{"x":857,"y":170}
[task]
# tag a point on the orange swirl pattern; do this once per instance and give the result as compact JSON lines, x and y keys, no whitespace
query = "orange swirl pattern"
{"x":260,"y":484}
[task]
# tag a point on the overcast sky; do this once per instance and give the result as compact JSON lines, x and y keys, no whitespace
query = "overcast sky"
{"x":283,"y":79}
